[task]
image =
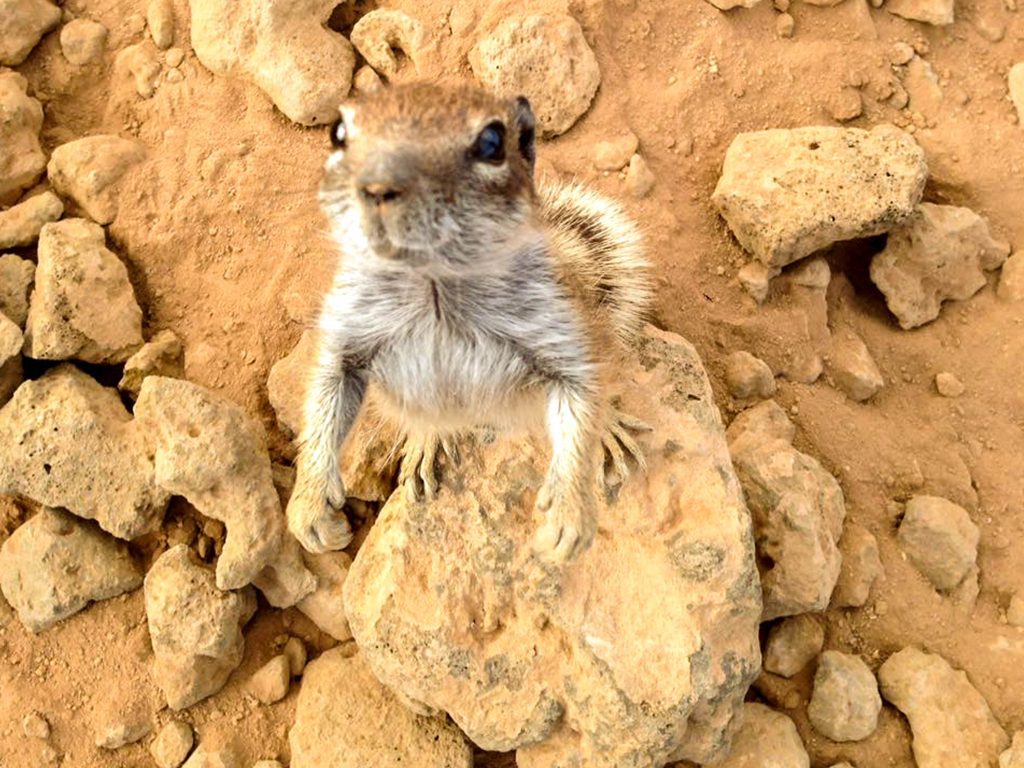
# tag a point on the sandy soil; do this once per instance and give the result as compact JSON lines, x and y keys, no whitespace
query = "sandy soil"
{"x":226,"y":247}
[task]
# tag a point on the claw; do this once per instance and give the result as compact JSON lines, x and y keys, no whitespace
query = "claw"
{"x":418,"y":473}
{"x":619,"y":444}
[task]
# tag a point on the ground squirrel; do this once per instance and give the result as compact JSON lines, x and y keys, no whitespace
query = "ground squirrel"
{"x":469,"y":298}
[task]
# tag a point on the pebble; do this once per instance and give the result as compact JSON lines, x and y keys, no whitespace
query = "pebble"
{"x":939,"y":539}
{"x":269,"y":684}
{"x":174,"y":57}
{"x":852,"y":368}
{"x":82,"y":40}
{"x":747,"y":376}
{"x":160,"y":17}
{"x":1011,"y":279}
{"x":785,"y":25}
{"x":20,"y":224}
{"x":756,"y":279}
{"x":639,"y":179}
{"x":948,"y":385}
{"x":614,"y":154}
{"x":846,"y":105}
{"x":792,"y":643}
{"x":901,"y":53}
{"x":172,"y":744}
{"x":295,"y":650}
{"x":845,"y":703}
{"x":35,"y":726}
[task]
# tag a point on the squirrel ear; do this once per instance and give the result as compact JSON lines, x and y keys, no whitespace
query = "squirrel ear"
{"x":526,"y":124}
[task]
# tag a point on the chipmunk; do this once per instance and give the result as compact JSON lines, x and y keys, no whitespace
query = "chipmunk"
{"x":469,"y":298}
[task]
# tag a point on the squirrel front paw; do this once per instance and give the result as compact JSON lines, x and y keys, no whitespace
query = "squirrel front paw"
{"x":318,"y":523}
{"x":568,"y":528}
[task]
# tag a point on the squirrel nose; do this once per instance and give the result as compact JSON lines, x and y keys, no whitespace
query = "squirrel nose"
{"x":379,"y":193}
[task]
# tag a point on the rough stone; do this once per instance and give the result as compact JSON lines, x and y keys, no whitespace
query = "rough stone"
{"x":20,"y":225}
{"x":1015,"y":82}
{"x":810,"y":273}
{"x":639,"y":179}
{"x":119,"y":734}
{"x":325,"y":606}
{"x":614,"y":154}
{"x":845,"y":105}
{"x":948,"y":385}
{"x":195,"y":627}
{"x":140,"y":63}
{"x":747,"y":376}
{"x":66,"y":441}
{"x":286,"y":384}
{"x":160,"y":19}
{"x":1015,"y":611}
{"x":852,"y":368}
{"x":764,"y":421}
{"x":16,"y":276}
{"x":295,"y":651}
{"x":89,"y":171}
{"x":284,"y":47}
{"x":756,"y":279}
{"x":82,"y":41}
{"x":952,"y":724}
{"x":546,"y":58}
{"x":213,"y":758}
{"x":379,"y":33}
{"x":35,"y":726}
{"x":940,"y":540}
{"x":22,"y":161}
{"x":269,"y":684}
{"x":792,"y":644}
{"x":1014,"y":756}
{"x":210,"y":451}
{"x":286,"y":580}
{"x":766,"y":739}
{"x":11,"y":342}
{"x":163,"y":355}
{"x":788,"y":193}
{"x":346,"y":719}
{"x":941,"y":253}
{"x":785,"y":25}
{"x":798,"y":512}
{"x":172,"y":744}
{"x":22,"y":25}
{"x":55,"y":564}
{"x":936,"y":12}
{"x":861,"y":567}
{"x":609,"y":680}
{"x":83,"y":305}
{"x":845,"y":703}
{"x":1011,"y":279}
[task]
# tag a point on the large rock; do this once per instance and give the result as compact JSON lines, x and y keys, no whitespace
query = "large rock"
{"x":83,"y":305}
{"x":210,"y":451}
{"x":788,"y":193}
{"x":16,"y":276}
{"x":940,"y":540}
{"x":952,"y":724}
{"x":22,"y":25}
{"x":941,"y":253}
{"x":89,"y":172}
{"x":638,"y":652}
{"x":20,"y":225}
{"x":767,"y":739}
{"x":22,"y":161}
{"x":346,"y":719}
{"x":283,"y":46}
{"x":545,"y":58}
{"x":195,"y":627}
{"x":66,"y":441}
{"x":798,"y":513}
{"x":845,"y":703}
{"x":55,"y":564}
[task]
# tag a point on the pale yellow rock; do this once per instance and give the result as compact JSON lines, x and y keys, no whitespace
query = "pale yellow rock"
{"x":639,"y":178}
{"x":172,"y":744}
{"x":1011,"y":279}
{"x":163,"y":355}
{"x":1014,"y":756}
{"x":936,"y":12}
{"x":381,"y":32}
{"x":614,"y":154}
{"x":89,"y":172}
{"x":20,"y":225}
{"x":269,"y":684}
{"x":16,"y":276}
{"x":160,"y":18}
{"x":22,"y":161}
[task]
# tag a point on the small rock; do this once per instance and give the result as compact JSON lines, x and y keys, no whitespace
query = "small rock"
{"x":172,"y":745}
{"x":140,"y":62}
{"x":852,"y":368}
{"x":728,"y":5}
{"x":16,"y":276}
{"x":381,"y":32}
{"x":163,"y":355}
{"x":845,"y":703}
{"x":346,"y":719}
{"x":160,"y":17}
{"x":366,"y":81}
{"x":117,"y":735}
{"x":82,"y":40}
{"x":901,"y":53}
{"x":287,"y":50}
{"x":785,"y":25}
{"x":766,"y":739}
{"x":295,"y":651}
{"x":939,"y":539}
{"x":792,"y":643}
{"x":55,"y":564}
{"x":546,"y":58}
{"x":35,"y":726}
{"x":811,"y":273}
{"x":861,"y":567}
{"x":951,"y":723}
{"x":846,"y":105}
{"x":174,"y":57}
{"x":614,"y":154}
{"x":195,"y":627}
{"x":936,"y":12}
{"x":756,"y":279}
{"x":1015,"y":82}
{"x":1011,"y":279}
{"x":826,"y":185}
{"x":1015,"y":612}
{"x":639,"y":179}
{"x":941,"y":253}
{"x":220,"y":758}
{"x":285,"y":580}
{"x":22,"y":161}
{"x":22,"y":25}
{"x":20,"y":225}
{"x":269,"y":684}
{"x":948,"y":385}
{"x":747,"y":376}
{"x":325,"y":606}
{"x":83,"y":305}
{"x":210,"y":451}
{"x":764,"y":421}
{"x":1014,"y":756}
{"x":62,"y":437}
{"x":286,"y":384}
{"x":89,"y":171}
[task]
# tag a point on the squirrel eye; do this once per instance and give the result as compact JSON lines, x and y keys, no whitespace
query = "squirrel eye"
{"x":490,"y":144}
{"x":338,"y":134}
